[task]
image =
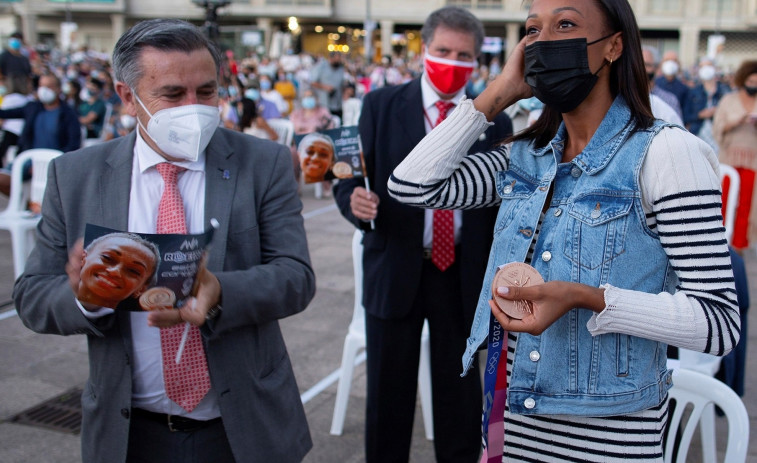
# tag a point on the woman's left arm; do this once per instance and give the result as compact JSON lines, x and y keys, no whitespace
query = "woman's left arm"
{"x":682,"y":199}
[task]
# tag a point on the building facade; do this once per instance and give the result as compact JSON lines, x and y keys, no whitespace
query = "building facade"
{"x":371,"y":27}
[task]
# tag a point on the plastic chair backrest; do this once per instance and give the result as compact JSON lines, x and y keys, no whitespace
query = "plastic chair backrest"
{"x":734,"y":186}
{"x":693,"y":392}
{"x":358,"y":311}
{"x":40,"y":159}
{"x":284,"y":128}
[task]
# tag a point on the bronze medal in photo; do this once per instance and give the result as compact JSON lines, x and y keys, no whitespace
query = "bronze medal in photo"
{"x":515,"y":274}
{"x":157,"y":298}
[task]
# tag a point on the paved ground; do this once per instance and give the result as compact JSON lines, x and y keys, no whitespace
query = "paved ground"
{"x":34,"y":368}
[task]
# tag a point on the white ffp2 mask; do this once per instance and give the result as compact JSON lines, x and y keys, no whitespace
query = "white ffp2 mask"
{"x":182,"y":132}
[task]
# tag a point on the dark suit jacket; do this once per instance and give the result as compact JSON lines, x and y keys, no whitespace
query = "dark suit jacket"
{"x":391,"y":124}
{"x":259,"y":255}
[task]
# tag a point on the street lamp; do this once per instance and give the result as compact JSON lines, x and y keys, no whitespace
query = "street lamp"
{"x":211,"y":16}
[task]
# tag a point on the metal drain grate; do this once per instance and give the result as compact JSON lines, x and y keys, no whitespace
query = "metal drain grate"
{"x":61,"y":413}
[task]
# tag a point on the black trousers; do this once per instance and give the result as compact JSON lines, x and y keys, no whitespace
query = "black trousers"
{"x":153,"y":442}
{"x":393,"y":351}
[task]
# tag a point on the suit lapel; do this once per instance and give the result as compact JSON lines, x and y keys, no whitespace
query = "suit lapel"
{"x":115,"y":184}
{"x":411,"y":118}
{"x":221,"y":177}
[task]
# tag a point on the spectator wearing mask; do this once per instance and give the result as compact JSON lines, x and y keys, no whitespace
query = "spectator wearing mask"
{"x":286,"y":88}
{"x":122,"y":125}
{"x":663,"y":102}
{"x":702,"y":102}
{"x":327,"y":81}
{"x":48,"y":123}
{"x":310,"y":116}
{"x":12,"y":60}
{"x":265,"y":107}
{"x":734,"y":126}
{"x":271,"y":94}
{"x":227,"y":108}
{"x":669,"y":80}
{"x":92,"y":108}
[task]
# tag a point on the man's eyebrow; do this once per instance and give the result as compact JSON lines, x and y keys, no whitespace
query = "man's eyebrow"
{"x":181,"y":88}
{"x":211,"y":83}
{"x":169,"y":89}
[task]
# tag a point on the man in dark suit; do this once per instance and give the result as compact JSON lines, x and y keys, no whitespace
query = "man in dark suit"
{"x":404,"y":281}
{"x":258,"y":270}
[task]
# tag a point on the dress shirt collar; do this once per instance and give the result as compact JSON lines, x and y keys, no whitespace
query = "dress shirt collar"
{"x":430,"y":97}
{"x":148,"y":157}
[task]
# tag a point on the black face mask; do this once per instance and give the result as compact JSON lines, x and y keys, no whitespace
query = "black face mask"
{"x":650,"y":76}
{"x":558,"y":72}
{"x":751,"y":91}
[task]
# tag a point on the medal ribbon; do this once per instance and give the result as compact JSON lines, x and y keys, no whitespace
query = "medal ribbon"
{"x":495,"y":393}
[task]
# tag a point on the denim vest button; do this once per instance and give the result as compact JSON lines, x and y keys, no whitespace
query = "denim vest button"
{"x":507,"y":190}
{"x":546,"y":256}
{"x":529,"y":403}
{"x":534,"y":356}
{"x":575,"y":172}
{"x":558,"y":212}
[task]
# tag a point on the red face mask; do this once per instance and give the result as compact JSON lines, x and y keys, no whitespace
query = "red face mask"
{"x":447,"y":76}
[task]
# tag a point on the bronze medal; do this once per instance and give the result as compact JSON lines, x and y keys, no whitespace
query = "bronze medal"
{"x":515,"y":274}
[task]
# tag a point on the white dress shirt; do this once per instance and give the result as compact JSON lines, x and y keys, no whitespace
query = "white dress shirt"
{"x":430,"y":111}
{"x":148,"y":388}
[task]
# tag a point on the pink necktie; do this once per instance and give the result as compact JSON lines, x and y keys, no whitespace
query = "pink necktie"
{"x":188,"y":381}
{"x":443,"y":241}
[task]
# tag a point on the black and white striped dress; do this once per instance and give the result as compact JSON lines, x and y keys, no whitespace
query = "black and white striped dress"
{"x":681,"y":198}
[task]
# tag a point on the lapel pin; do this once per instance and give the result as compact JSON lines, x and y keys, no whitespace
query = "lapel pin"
{"x":226,"y":175}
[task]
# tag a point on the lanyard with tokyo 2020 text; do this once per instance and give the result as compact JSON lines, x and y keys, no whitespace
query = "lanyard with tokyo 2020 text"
{"x":495,"y":393}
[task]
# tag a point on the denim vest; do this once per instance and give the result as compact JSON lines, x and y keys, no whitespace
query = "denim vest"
{"x":594,"y":232}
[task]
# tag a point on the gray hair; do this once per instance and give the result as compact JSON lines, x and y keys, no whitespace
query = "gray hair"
{"x":152,"y":247}
{"x":162,"y":34}
{"x":455,"y":18}
{"x":652,"y":51}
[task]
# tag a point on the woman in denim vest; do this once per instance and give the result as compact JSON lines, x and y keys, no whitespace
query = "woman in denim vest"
{"x":620,"y":215}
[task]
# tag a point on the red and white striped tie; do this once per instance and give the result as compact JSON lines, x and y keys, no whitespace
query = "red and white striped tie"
{"x":443,"y":239}
{"x":186,"y":382}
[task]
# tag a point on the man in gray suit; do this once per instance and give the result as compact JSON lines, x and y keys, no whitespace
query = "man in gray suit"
{"x":258,"y":270}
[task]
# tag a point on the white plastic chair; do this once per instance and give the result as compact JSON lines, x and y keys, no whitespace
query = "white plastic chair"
{"x":354,"y":342}
{"x":284,"y":128}
{"x":695,"y":395}
{"x":16,"y":218}
{"x":733,"y":197}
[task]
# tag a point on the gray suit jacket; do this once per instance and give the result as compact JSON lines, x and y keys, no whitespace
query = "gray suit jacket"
{"x":259,"y":255}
